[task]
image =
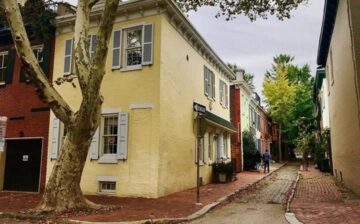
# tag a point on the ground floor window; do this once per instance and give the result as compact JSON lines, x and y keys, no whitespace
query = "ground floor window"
{"x":109,"y":134}
{"x":107,"y":186}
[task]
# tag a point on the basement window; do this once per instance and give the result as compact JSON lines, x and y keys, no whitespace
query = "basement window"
{"x":107,"y":186}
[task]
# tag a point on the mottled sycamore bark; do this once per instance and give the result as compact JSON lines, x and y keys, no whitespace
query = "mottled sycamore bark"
{"x":63,"y":190}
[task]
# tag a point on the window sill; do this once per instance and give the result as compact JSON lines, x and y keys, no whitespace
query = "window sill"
{"x":108,"y":159}
{"x":2,"y":83}
{"x":131,"y":68}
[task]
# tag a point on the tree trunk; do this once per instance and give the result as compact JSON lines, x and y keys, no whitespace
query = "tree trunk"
{"x":63,"y":190}
{"x":280,"y":151}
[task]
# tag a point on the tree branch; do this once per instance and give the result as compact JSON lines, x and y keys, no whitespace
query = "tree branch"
{"x":97,"y":71}
{"x":81,"y":43}
{"x":44,"y":89}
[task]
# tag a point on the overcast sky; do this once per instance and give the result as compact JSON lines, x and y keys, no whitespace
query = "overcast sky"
{"x":252,"y":45}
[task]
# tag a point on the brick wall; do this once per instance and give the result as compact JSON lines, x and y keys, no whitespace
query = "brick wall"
{"x":28,"y":116}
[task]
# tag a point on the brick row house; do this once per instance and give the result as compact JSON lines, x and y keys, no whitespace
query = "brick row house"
{"x":23,"y":151}
{"x":247,"y":114}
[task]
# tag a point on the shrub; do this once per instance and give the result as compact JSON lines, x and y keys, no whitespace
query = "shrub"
{"x":251,"y":155}
{"x":223,"y":167}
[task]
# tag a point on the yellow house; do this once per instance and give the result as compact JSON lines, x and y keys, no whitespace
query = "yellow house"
{"x":157,"y":67}
{"x":339,"y":55}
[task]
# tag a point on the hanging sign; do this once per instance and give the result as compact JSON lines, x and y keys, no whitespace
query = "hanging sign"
{"x":3,"y":121}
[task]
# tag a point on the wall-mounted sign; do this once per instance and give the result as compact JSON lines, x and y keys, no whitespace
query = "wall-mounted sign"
{"x":25,"y":158}
{"x":199,"y":108}
{"x":3,"y":121}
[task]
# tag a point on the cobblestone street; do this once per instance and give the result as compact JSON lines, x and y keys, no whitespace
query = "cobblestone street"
{"x":264,"y":203}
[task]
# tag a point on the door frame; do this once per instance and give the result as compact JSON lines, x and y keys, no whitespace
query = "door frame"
{"x":41,"y":161}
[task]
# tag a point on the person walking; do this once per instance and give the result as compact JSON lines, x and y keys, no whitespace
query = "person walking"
{"x":266,"y":159}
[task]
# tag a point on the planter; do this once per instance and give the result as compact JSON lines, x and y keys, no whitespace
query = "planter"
{"x":222,"y":177}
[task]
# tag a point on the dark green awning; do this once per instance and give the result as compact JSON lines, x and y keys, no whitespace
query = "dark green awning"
{"x":219,"y":122}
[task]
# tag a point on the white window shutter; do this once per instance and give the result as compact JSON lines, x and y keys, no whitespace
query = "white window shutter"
{"x":94,"y":146}
{"x":123,"y":121}
{"x":55,"y":138}
{"x":68,"y":56}
{"x":147,"y":48}
{"x":116,"y":59}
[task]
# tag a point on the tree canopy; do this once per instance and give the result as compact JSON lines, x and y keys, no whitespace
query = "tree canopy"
{"x":300,"y":108}
{"x":250,"y":8}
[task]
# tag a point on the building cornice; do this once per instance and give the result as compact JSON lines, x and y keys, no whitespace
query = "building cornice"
{"x":141,"y":8}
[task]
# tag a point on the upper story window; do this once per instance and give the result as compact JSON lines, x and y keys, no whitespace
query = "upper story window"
{"x":38,"y":51}
{"x":39,"y":54}
{"x":3,"y":63}
{"x":209,"y":83}
{"x":133,"y":47}
{"x":224,"y":92}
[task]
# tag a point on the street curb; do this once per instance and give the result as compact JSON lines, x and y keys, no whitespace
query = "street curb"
{"x":191,"y":217}
{"x":289,"y":216}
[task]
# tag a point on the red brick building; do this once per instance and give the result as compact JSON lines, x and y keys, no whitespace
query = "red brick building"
{"x":235,"y":116}
{"x":265,"y":130}
{"x":23,"y":158}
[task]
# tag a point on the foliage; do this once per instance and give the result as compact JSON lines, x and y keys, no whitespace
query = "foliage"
{"x":279,"y":95}
{"x":251,"y":9}
{"x":223,"y":168}
{"x":301,"y":107}
{"x":248,"y":77}
{"x":38,"y":16}
{"x":281,"y":61}
{"x":322,"y":145}
{"x":251,"y":155}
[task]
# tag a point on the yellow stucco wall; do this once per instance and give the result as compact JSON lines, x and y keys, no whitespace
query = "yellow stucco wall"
{"x":161,"y":141}
{"x":137,"y":176}
{"x":181,"y":84}
{"x":344,"y":108}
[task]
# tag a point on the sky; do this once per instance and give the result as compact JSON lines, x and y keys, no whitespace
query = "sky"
{"x":252,"y":45}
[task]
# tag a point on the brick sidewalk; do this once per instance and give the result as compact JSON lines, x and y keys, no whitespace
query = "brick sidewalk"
{"x":319,"y":200}
{"x":176,"y":205}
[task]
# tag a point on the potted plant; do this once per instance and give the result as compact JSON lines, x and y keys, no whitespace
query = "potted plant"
{"x":223,"y":171}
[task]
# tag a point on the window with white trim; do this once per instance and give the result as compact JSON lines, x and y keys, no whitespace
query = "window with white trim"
{"x":109,"y":133}
{"x":209,"y":83}
{"x":107,"y":186}
{"x":3,"y":63}
{"x":133,"y":46}
{"x":38,"y":51}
